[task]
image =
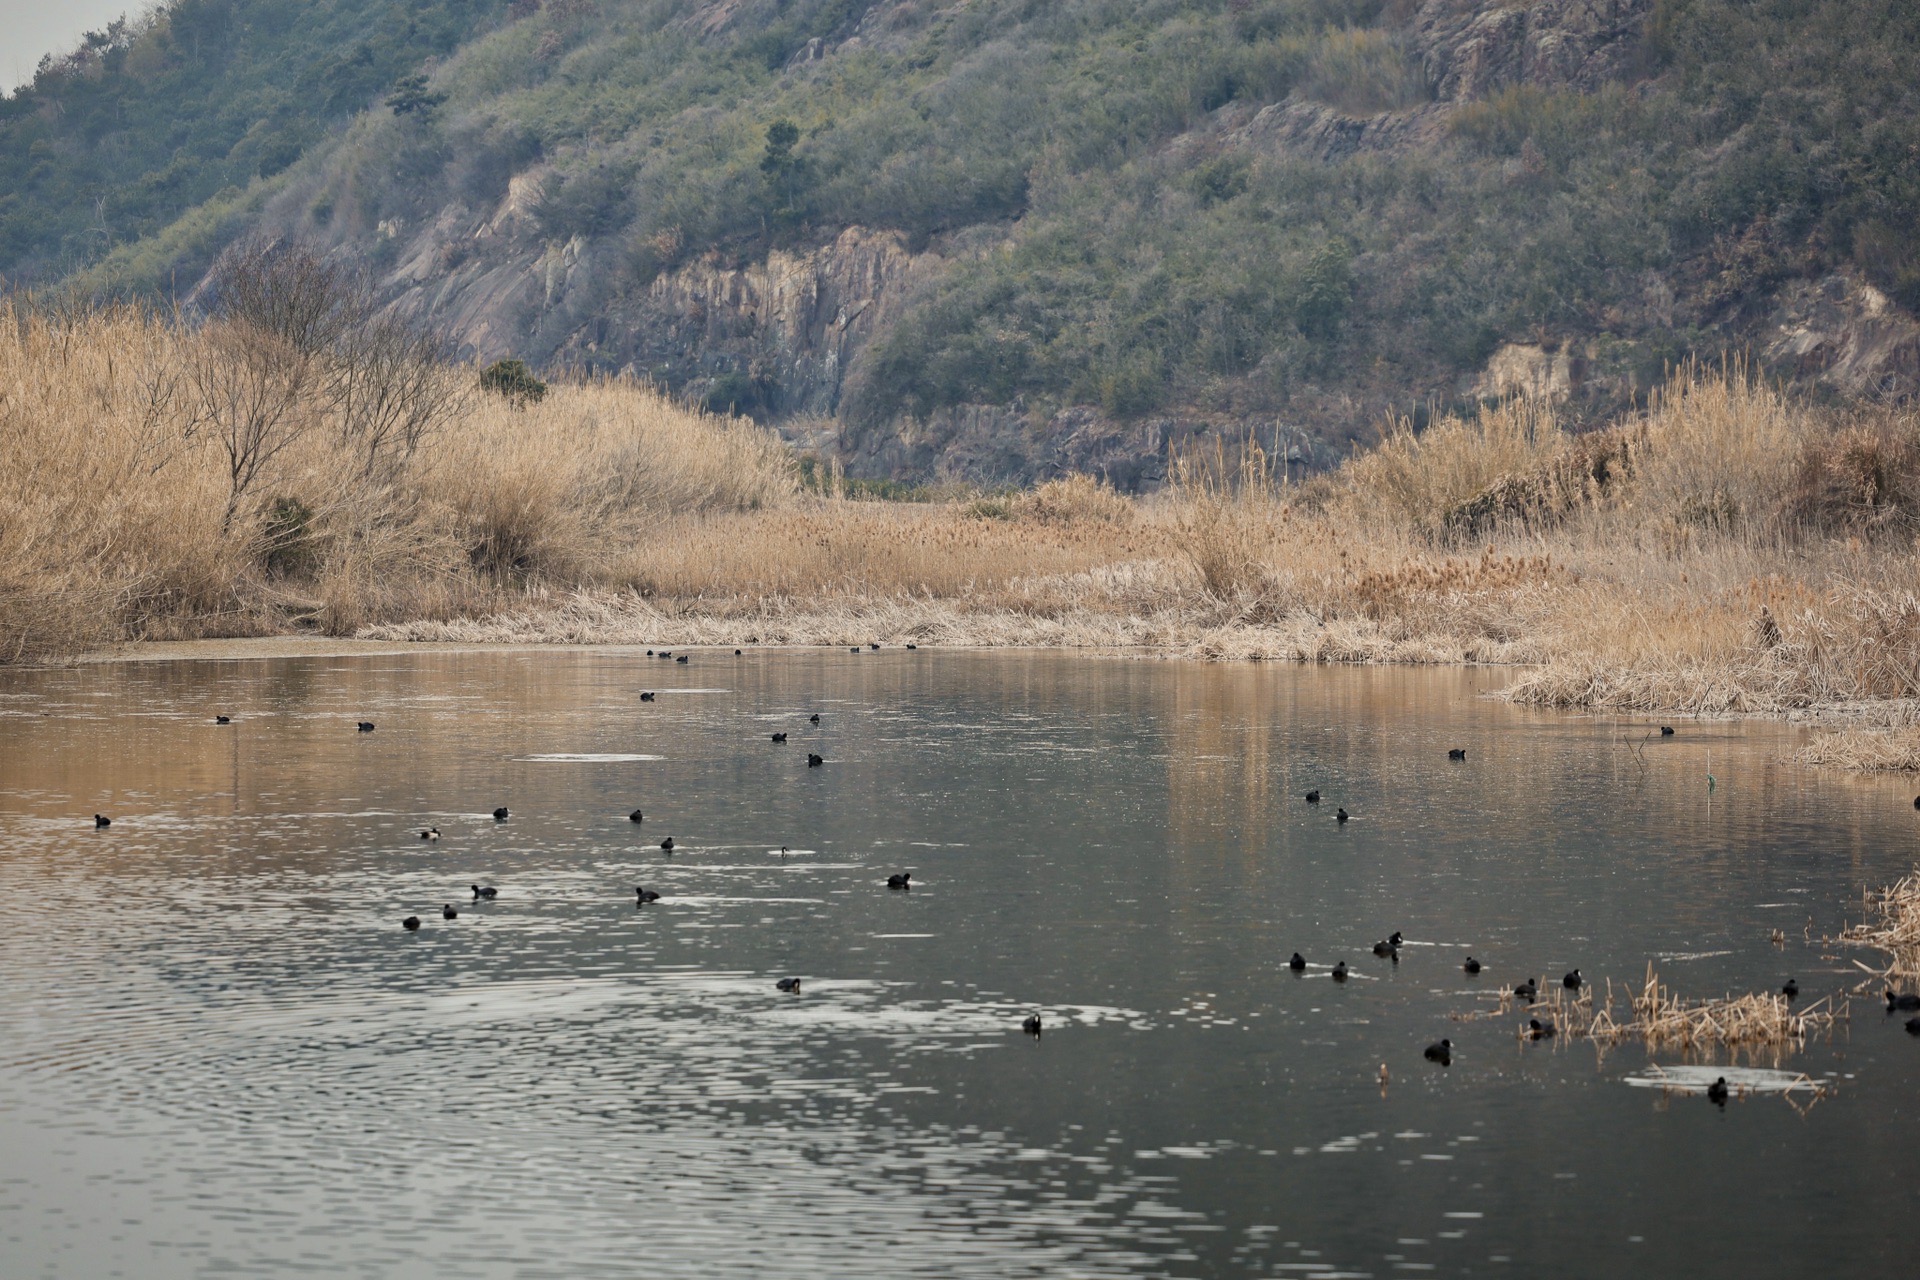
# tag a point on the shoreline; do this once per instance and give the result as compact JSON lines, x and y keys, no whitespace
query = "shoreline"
{"x":1885,"y":714}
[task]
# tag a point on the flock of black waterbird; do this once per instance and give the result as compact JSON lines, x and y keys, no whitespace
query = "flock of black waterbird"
{"x":1388,"y":948}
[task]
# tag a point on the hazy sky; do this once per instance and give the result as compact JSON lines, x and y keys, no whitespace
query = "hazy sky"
{"x":29,"y":28}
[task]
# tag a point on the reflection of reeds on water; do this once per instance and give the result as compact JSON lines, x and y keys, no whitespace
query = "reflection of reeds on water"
{"x":1892,"y":926}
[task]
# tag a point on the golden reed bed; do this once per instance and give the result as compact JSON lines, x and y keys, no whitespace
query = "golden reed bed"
{"x":1728,"y":551}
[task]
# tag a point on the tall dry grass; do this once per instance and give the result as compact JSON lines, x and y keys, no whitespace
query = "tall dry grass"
{"x":1730,"y":550}
{"x":158,"y":479}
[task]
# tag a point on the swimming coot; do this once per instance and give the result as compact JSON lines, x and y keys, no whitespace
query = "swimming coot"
{"x":1031,"y":1024}
{"x":223,"y":719}
{"x":681,"y":659}
{"x":431,"y":833}
{"x":1313,"y":797}
{"x":1340,"y":971}
{"x":1913,"y":1026}
{"x":366,"y":726}
{"x":814,"y":761}
{"x":636,"y":816}
{"x":913,"y":646}
{"x":1441,"y":1053}
{"x":1792,"y":990}
{"x":102,"y":820}
{"x":410,"y":924}
{"x":645,"y":895}
{"x":904,"y":880}
{"x":501,"y":814}
{"x":1385,"y":948}
{"x":1538,"y":1030}
{"x":1527,"y":990}
{"x":779,"y":737}
{"x":1341,"y":815}
{"x":1298,"y":962}
{"x":1666,"y":731}
{"x":1901,"y":1002}
{"x":1572,"y":981}
{"x":484,"y":891}
{"x":1717,"y":1092}
{"x":789,"y":984}
{"x":646,"y":697}
{"x":667,"y":844}
{"x":1457,"y":753}
{"x":447,"y":912}
{"x":1472,"y":965}
{"x":814,"y":718}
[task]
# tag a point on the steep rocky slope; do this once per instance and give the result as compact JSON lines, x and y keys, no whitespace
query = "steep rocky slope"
{"x":1000,"y":242}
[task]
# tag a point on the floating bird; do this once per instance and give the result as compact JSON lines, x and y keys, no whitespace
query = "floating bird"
{"x":223,"y":719}
{"x":736,"y":653}
{"x":665,"y":654}
{"x":1341,"y":815}
{"x":646,"y":697}
{"x":500,"y":814}
{"x":1572,"y":981}
{"x":1340,"y":971}
{"x":1385,"y":948}
{"x":779,"y":737}
{"x":649,"y":653}
{"x":667,"y":844}
{"x":1717,"y":1092}
{"x":1792,"y":990}
{"x":484,"y":891}
{"x":1527,"y":990}
{"x":1913,"y":1026}
{"x":1538,"y":1030}
{"x":636,"y":816}
{"x":913,"y":646}
{"x":681,"y":659}
{"x":872,"y":646}
{"x":815,"y":717}
{"x":411,"y":924}
{"x":447,"y":912}
{"x":903,"y":880}
{"x":1313,"y":797}
{"x":645,"y":894}
{"x":1916,"y":802}
{"x":1666,"y":731}
{"x":1031,"y":1025}
{"x":814,"y":761}
{"x":789,"y":984}
{"x":1472,"y":965}
{"x":431,"y":833}
{"x":1441,"y":1053}
{"x":1457,"y":753}
{"x":1298,"y":963}
{"x":366,"y":726}
{"x":102,"y":820}
{"x":854,"y":649}
{"x":784,"y":851}
{"x":1901,"y":1002}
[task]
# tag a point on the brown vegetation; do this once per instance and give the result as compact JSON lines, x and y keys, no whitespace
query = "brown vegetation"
{"x":304,"y":464}
{"x":1893,"y":926}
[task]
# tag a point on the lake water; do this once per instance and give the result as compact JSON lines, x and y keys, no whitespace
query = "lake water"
{"x":220,"y":1053}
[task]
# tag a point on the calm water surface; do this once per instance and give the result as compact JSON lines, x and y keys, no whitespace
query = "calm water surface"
{"x":220,"y":1054}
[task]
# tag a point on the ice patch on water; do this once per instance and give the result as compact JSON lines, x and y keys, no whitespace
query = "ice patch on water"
{"x":1695,"y":1079}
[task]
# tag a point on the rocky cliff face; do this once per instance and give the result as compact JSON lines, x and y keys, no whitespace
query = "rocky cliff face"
{"x":782,"y":337}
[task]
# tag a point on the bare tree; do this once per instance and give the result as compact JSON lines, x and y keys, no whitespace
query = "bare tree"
{"x":290,"y":291}
{"x":392,"y":386}
{"x":248,"y":385}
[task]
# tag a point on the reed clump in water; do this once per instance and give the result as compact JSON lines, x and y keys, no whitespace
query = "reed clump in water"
{"x":1864,"y":750}
{"x":1660,"y":1019}
{"x":1892,"y":925}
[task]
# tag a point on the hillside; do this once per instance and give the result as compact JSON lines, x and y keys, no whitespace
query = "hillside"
{"x":996,"y":239}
